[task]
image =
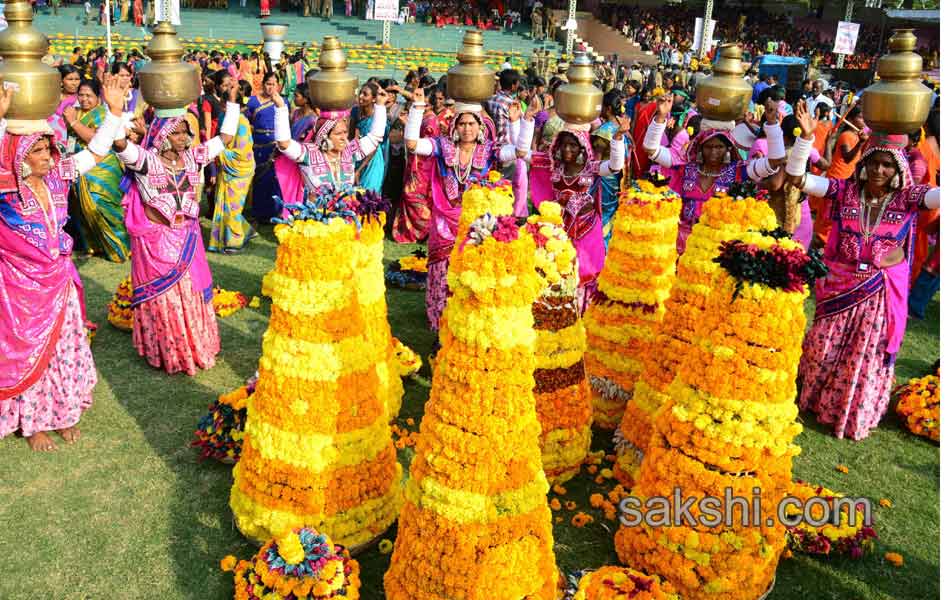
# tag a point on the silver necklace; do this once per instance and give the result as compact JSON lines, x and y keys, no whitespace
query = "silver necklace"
{"x":867,"y":228}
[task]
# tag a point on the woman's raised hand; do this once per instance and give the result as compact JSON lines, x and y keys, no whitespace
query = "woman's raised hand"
{"x":113,"y":93}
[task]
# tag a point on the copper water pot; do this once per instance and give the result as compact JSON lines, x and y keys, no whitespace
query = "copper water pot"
{"x":471,"y":81}
{"x":579,"y":101}
{"x":725,"y":95}
{"x":22,"y":48}
{"x":333,"y":87}
{"x":899,"y":102}
{"x":166,"y":81}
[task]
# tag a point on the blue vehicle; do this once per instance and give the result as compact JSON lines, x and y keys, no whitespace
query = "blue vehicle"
{"x":789,"y":70}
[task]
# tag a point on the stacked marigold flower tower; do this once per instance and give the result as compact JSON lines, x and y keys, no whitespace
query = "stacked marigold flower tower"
{"x":729,"y":424}
{"x":371,"y":293}
{"x":317,"y":450}
{"x":633,"y":287}
{"x":476,"y":522}
{"x":724,"y":217}
{"x":561,"y":391}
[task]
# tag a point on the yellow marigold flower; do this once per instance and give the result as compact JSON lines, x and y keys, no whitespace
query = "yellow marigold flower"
{"x":494,"y":176}
{"x":255,"y":302}
{"x":842,"y":469}
{"x":228,"y":563}
{"x":290,"y":548}
{"x":385,"y":546}
{"x":894,"y":558}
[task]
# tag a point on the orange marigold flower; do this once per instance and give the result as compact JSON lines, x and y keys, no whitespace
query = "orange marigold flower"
{"x":596,"y":500}
{"x":894,"y":558}
{"x":228,"y":563}
{"x":410,"y":421}
{"x":885,"y":503}
{"x":559,"y":490}
{"x":592,"y":469}
{"x":599,"y":480}
{"x":842,"y":469}
{"x":555,"y":504}
{"x":581,"y":519}
{"x":570,"y":505}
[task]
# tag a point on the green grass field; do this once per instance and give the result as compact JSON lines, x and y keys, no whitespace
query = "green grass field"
{"x":128,"y":512}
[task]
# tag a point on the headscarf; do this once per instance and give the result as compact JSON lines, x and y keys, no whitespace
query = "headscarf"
{"x":161,"y":128}
{"x":581,"y":137}
{"x":893,"y":144}
{"x":487,"y":125}
{"x":326,"y":124}
{"x":695,"y":146}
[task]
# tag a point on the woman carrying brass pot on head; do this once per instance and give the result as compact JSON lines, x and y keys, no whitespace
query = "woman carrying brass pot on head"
{"x":713,"y":164}
{"x":847,"y":364}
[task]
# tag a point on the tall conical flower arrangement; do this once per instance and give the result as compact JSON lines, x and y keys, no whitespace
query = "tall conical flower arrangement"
{"x":476,"y":521}
{"x":317,"y":449}
{"x":633,"y":287}
{"x":561,"y":391}
{"x":724,"y":217}
{"x":730,"y":426}
{"x":371,"y":293}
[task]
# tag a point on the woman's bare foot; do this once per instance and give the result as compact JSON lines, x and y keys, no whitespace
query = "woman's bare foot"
{"x":41,"y":442}
{"x":69,"y":434}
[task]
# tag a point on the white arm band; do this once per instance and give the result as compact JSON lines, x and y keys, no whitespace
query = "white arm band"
{"x":618,"y":152}
{"x":414,"y":123}
{"x":651,"y":141}
{"x":815,"y":185}
{"x":663,"y":157}
{"x":377,"y":130}
{"x":293,"y":151}
{"x":230,"y":123}
{"x":932,"y":198}
{"x":130,"y":155}
{"x":514,"y":131}
{"x":101,"y":142}
{"x":759,"y":169}
{"x":84,"y":161}
{"x":798,"y":158}
{"x":424,"y":147}
{"x":3,"y":128}
{"x":215,"y":146}
{"x":775,"y":140}
{"x":525,"y":136}
{"x":507,"y":153}
{"x":281,"y":124}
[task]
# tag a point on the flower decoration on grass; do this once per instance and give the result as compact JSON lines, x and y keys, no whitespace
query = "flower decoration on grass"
{"x":918,"y":403}
{"x":894,"y":558}
{"x":317,"y":449}
{"x":120,"y":308}
{"x":227,"y":302}
{"x":723,"y":218}
{"x":729,"y":424}
{"x":561,"y":391}
{"x":623,"y":583}
{"x":301,"y":564}
{"x":844,"y":539}
{"x":476,"y":519}
{"x":407,"y":361}
{"x":220,"y":432}
{"x":633,"y":287}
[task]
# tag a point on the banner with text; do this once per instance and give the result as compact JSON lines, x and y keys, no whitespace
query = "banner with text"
{"x":847,"y":37}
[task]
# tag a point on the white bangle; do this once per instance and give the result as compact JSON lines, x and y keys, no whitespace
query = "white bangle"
{"x":798,"y":158}
{"x":775,"y":141}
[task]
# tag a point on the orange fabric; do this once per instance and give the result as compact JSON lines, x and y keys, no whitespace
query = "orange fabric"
{"x":927,"y":219}
{"x":821,"y":136}
{"x":841,"y":169}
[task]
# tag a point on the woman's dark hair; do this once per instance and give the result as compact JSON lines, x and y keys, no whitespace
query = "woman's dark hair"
{"x":92,"y":84}
{"x":823,"y":110}
{"x":65,"y":70}
{"x":695,"y":121}
{"x":933,"y":123}
{"x":432,"y":92}
{"x":789,"y":124}
{"x":303,"y":89}
{"x":218,"y":77}
{"x":426,"y":82}
{"x":613,"y":101}
{"x":246,"y":90}
{"x":268,"y":76}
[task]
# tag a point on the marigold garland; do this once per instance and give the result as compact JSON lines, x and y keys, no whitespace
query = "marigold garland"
{"x":227,"y":302}
{"x":476,"y":519}
{"x":561,"y":391}
{"x":918,"y":402}
{"x":301,"y":564}
{"x":844,"y":539}
{"x":120,"y":308}
{"x":316,"y":449}
{"x":219,"y":433}
{"x":729,"y":423}
{"x":623,"y":583}
{"x":723,"y":218}
{"x":633,"y":288}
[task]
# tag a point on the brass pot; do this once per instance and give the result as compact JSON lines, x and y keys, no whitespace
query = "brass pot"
{"x":166,"y":81}
{"x":274,"y":34}
{"x":333,"y":87}
{"x":471,"y":81}
{"x":899,"y":102}
{"x":579,"y":101}
{"x":22,"y":47}
{"x":725,"y":95}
